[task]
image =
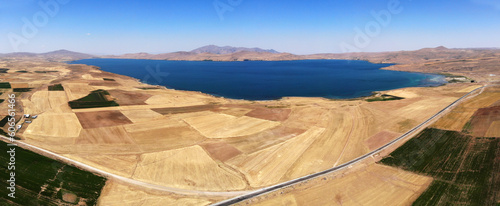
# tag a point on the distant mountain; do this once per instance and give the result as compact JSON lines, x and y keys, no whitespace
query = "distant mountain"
{"x":59,"y":55}
{"x":213,"y":49}
{"x":66,"y":54}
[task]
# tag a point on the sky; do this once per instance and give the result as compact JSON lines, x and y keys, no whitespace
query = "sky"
{"x":295,"y":26}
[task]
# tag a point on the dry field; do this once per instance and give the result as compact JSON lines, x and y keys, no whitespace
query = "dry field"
{"x":214,"y":125}
{"x":195,"y":141}
{"x":372,"y":185}
{"x":116,"y":194}
{"x":458,"y":118}
{"x":187,"y":168}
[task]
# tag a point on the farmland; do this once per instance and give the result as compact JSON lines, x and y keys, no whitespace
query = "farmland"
{"x":43,"y":181}
{"x":187,"y":140}
{"x":462,"y":167}
{"x":97,"y":98}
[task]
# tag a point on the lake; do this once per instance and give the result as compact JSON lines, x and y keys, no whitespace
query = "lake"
{"x":267,"y":80}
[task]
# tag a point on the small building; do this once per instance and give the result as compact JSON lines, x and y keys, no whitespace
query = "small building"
{"x":34,"y":116}
{"x":27,"y":121}
{"x":19,"y":126}
{"x":27,"y":115}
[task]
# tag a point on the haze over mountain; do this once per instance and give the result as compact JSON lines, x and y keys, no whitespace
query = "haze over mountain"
{"x":213,"y":49}
{"x":59,"y":55}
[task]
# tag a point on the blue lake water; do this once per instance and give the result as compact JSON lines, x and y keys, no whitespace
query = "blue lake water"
{"x":266,"y":80}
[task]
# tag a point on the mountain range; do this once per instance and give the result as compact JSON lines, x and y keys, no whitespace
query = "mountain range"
{"x":227,"y":53}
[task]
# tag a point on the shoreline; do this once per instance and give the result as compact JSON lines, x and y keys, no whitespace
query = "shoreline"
{"x":362,"y":97}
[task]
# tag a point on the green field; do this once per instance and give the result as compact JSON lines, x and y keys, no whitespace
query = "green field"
{"x":22,"y":89}
{"x":42,"y":181}
{"x":463,"y":167}
{"x":97,"y":98}
{"x":5,"y":85}
{"x":3,"y":70}
{"x":384,"y":97}
{"x":108,"y":79}
{"x":56,"y":87}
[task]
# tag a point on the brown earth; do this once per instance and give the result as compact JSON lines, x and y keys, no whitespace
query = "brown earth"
{"x":380,"y":139}
{"x":90,"y":120}
{"x":483,"y":118}
{"x":220,"y":150}
{"x":126,"y":98}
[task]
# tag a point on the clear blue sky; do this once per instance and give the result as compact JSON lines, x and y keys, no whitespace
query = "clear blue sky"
{"x":296,"y":26}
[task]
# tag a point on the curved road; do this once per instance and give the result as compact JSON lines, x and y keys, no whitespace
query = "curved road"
{"x":342,"y":166}
{"x":243,"y":194}
{"x":89,"y":168}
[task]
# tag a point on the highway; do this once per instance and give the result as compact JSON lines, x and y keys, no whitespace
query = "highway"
{"x":243,"y":195}
{"x":112,"y":176}
{"x":345,"y":165}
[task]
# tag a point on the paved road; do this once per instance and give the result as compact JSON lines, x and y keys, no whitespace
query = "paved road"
{"x":345,"y":165}
{"x":109,"y":175}
{"x":243,"y":194}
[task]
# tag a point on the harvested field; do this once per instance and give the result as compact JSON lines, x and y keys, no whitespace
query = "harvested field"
{"x":155,"y":124}
{"x":90,"y":120}
{"x":141,"y":115}
{"x":380,"y":139}
{"x":65,"y":125}
{"x":187,"y":168}
{"x":188,"y":109}
{"x":494,"y":130}
{"x":255,"y":142}
{"x":104,"y":135}
{"x":116,"y":194}
{"x":482,"y":119}
{"x":214,"y":125}
{"x":89,"y":77}
{"x":125,"y":98}
{"x":40,"y":102}
{"x":220,"y":151}
{"x":469,"y":89}
{"x":77,"y":90}
{"x":101,"y":82}
{"x":269,"y":165}
{"x":270,"y":114}
{"x":15,"y":85}
{"x":119,"y":164}
{"x":58,"y":102}
{"x":455,"y":120}
{"x":167,"y":138}
{"x":371,"y":185}
{"x":234,"y":111}
{"x":175,"y":101}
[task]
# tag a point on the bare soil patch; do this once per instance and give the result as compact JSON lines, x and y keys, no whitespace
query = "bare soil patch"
{"x":125,"y":98}
{"x":90,"y":120}
{"x":482,"y":120}
{"x":188,"y":109}
{"x":69,"y":197}
{"x":104,"y":83}
{"x":104,"y":135}
{"x":220,"y":150}
{"x":380,"y":139}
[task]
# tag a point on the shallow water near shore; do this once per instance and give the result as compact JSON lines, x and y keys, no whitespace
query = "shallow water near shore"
{"x":267,"y":80}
